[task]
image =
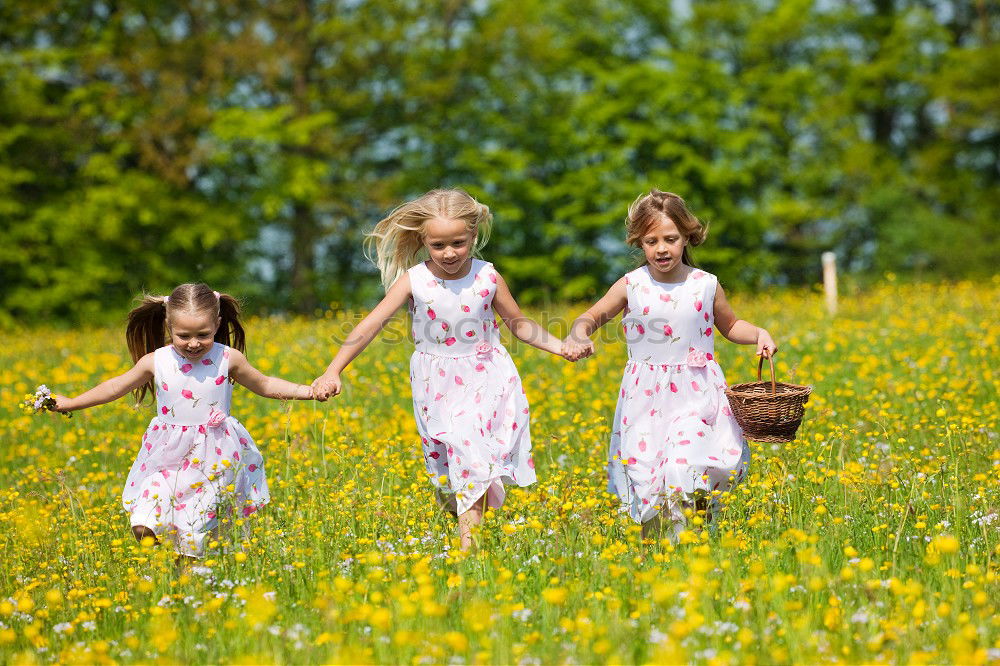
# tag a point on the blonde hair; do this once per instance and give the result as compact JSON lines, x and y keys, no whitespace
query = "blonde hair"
{"x":652,"y":208}
{"x":397,"y":240}
{"x":148,"y":322}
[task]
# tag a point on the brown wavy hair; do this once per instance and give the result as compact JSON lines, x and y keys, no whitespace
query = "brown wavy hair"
{"x":149,"y":321}
{"x":652,"y":208}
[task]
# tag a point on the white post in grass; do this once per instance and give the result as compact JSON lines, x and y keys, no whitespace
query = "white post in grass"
{"x":830,"y":281}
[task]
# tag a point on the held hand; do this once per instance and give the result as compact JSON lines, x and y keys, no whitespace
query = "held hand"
{"x":584,"y":349}
{"x":574,"y":350}
{"x":765,"y":344}
{"x":326,"y":386}
{"x":62,"y":404}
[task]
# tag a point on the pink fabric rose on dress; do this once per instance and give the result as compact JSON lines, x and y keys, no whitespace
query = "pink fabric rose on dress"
{"x":484,"y":349}
{"x":696,"y":358}
{"x":216,"y":417}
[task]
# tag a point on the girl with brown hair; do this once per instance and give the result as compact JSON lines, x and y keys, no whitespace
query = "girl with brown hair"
{"x":675,"y":443}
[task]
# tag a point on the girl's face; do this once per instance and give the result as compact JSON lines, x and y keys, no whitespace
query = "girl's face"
{"x":193,"y":333}
{"x":663,"y":245}
{"x":450,"y":246}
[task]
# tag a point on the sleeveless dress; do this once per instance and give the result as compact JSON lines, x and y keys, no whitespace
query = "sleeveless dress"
{"x":195,"y":460}
{"x":674,"y":433}
{"x":470,"y":408}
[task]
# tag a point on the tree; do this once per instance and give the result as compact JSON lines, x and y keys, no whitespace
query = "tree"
{"x":99,"y":180}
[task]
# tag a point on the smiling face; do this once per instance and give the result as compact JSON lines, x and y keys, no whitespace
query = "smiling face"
{"x":449,"y":243}
{"x":193,"y":333}
{"x":663,"y":245}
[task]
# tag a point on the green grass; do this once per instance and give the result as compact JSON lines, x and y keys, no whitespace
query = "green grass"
{"x":872,"y":537}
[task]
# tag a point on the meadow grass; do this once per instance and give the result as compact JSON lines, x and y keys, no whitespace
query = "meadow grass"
{"x":871,"y":538}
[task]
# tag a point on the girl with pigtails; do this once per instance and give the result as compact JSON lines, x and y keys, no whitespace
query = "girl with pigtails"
{"x":195,"y":459}
{"x":470,"y":408}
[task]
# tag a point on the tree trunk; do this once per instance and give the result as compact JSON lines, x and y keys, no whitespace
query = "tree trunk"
{"x":304,"y":235}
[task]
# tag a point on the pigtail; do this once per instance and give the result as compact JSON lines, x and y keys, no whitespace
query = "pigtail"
{"x":146,"y":332}
{"x":231,"y":332}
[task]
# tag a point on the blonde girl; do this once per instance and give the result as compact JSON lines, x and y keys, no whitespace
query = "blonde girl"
{"x":471,"y":411}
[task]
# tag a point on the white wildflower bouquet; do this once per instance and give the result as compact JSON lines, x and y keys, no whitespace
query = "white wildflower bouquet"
{"x":41,"y":401}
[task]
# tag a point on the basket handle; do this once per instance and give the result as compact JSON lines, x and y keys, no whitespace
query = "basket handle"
{"x":760,"y":367}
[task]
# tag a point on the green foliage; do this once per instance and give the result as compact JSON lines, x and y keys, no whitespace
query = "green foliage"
{"x":255,"y":143}
{"x":98,"y":171}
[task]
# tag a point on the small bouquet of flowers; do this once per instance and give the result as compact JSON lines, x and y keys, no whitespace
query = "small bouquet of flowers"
{"x":41,"y":401}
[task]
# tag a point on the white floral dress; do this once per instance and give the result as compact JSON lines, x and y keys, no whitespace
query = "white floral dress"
{"x":195,"y":460}
{"x":674,"y":433}
{"x":471,"y":411}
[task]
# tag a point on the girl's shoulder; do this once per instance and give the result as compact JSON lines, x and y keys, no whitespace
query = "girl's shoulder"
{"x":483,"y":268}
{"x":164,"y":358}
{"x":636,"y":276}
{"x":487,"y":276}
{"x":703,"y":283}
{"x":698,"y":275}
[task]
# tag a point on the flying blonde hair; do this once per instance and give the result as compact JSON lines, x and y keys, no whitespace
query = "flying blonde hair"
{"x":397,"y":240}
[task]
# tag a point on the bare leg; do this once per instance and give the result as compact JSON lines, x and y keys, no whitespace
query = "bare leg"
{"x":651,"y":528}
{"x":669,"y":522}
{"x":701,"y":506}
{"x":446,"y":502}
{"x":183,"y":562}
{"x":469,"y":520}
{"x":707,"y":507}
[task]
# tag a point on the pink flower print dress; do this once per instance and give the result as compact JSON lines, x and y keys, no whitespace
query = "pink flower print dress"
{"x":471,"y":411}
{"x":674,"y":433}
{"x":192,"y":453}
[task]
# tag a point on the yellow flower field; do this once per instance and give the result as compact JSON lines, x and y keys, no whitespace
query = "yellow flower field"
{"x":872,"y":538}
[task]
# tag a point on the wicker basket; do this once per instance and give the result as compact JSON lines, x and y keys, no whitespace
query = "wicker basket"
{"x":768,"y":411}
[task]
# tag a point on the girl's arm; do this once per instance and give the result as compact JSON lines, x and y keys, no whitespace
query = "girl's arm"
{"x":739,"y":331}
{"x":578,"y":344}
{"x":328,"y":384}
{"x":109,"y":390}
{"x":268,"y":387}
{"x":524,"y":329}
